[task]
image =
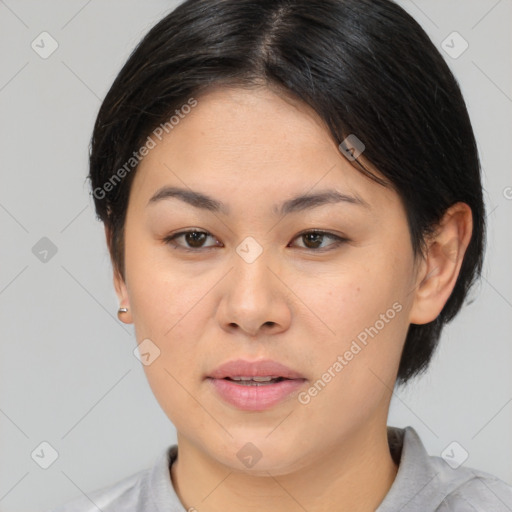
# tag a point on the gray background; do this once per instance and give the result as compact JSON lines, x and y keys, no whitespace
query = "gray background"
{"x":68,"y":375}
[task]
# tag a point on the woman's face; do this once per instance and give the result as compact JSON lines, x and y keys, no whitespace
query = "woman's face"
{"x":252,"y":284}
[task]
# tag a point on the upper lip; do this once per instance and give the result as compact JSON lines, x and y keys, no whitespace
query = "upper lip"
{"x":261,"y":368}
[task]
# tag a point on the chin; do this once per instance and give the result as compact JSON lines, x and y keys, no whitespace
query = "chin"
{"x":261,"y":458}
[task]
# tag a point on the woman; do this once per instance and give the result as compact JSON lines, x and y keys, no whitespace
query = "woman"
{"x":292,"y":201}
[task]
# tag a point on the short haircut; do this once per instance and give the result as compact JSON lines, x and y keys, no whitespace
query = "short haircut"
{"x":365,"y":66}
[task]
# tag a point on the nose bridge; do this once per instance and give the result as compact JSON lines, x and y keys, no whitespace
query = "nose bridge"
{"x":252,"y":298}
{"x":251,"y":264}
{"x":249,"y":250}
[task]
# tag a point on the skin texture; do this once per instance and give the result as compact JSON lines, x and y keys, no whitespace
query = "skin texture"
{"x":297,"y":304}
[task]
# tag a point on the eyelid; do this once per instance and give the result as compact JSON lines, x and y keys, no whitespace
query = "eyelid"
{"x":338,"y":239}
{"x":170,"y":240}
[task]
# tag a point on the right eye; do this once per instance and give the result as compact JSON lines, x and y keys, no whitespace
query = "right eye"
{"x":194,"y":238}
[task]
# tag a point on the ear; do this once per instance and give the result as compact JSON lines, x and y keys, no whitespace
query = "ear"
{"x":119,"y":284}
{"x":439,"y":269}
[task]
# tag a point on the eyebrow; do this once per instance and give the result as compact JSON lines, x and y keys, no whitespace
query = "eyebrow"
{"x":295,"y":204}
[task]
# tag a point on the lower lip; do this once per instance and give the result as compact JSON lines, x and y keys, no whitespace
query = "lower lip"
{"x":255,"y":398}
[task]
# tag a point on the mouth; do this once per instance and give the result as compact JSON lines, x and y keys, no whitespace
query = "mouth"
{"x":263,"y":370}
{"x":256,"y":381}
{"x":254,"y":386}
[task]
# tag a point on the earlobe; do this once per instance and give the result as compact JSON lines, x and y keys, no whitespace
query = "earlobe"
{"x":124,"y":312}
{"x":440,"y":268}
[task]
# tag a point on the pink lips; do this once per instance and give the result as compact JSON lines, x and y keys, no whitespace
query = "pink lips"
{"x":261,"y":368}
{"x":257,"y":396}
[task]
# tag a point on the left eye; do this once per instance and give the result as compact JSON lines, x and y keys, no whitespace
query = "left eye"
{"x":314,"y":239}
{"x":195,"y":240}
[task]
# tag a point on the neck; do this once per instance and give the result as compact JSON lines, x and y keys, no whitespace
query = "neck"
{"x":354,"y":476}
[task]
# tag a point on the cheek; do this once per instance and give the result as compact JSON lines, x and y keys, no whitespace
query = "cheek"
{"x":364,"y":316}
{"x":169,"y":380}
{"x":161,"y":297}
{"x":172,"y":312}
{"x":345,"y":303}
{"x":355,"y":375}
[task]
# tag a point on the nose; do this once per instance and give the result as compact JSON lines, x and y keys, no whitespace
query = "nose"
{"x":254,"y":297}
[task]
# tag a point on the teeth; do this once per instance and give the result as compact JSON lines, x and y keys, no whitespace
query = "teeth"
{"x":256,"y":379}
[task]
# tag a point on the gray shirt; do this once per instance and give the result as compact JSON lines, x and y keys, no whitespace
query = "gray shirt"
{"x":424,"y":483}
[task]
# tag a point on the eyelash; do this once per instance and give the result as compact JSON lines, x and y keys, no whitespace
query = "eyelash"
{"x":338,"y":240}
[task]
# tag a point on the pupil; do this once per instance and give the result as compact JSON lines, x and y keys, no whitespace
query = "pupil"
{"x":315,"y":238}
{"x":195,"y":239}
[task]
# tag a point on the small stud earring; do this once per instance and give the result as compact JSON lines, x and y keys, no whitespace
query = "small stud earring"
{"x":120,"y":311}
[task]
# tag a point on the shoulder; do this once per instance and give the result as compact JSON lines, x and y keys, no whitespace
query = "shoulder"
{"x":435,"y":484}
{"x":140,"y":492}
{"x":123,"y":495}
{"x":481,"y":492}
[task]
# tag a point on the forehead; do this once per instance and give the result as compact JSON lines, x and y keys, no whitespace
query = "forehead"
{"x":247,"y":143}
{"x":250,"y":125}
